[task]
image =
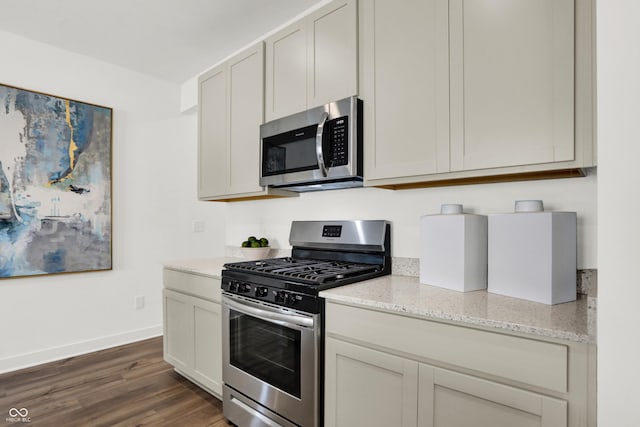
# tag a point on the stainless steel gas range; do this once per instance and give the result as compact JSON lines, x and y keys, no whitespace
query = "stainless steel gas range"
{"x":272,"y":319}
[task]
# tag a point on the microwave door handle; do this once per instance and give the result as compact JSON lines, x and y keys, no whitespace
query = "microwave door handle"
{"x":319,"y":153}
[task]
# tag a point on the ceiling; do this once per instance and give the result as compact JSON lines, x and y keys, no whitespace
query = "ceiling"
{"x":170,"y":39}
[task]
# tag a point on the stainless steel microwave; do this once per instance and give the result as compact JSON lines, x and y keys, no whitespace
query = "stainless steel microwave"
{"x":317,"y":149}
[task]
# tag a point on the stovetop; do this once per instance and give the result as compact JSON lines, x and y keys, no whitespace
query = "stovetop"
{"x":293,"y":283}
{"x":325,"y":254}
{"x":307,"y":270}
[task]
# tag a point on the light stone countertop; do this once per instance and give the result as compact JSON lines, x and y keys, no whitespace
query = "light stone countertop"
{"x":211,"y":267}
{"x":405,"y":295}
{"x":573,"y":321}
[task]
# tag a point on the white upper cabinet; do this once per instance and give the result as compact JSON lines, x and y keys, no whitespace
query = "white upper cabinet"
{"x":404,"y":78}
{"x":458,"y":89}
{"x":312,"y":61}
{"x":286,"y":71}
{"x":230,"y":112}
{"x":332,"y":47}
{"x":512,"y":82}
{"x":453,"y":90}
{"x":212,"y":133}
{"x":246,"y":114}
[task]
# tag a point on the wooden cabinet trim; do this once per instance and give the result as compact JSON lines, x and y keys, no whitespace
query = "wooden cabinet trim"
{"x":444,"y":180}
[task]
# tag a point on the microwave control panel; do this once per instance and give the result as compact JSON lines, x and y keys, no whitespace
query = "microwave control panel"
{"x":338,"y":141}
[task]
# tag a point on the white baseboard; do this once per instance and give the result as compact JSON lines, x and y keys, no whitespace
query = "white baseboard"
{"x":26,"y":360}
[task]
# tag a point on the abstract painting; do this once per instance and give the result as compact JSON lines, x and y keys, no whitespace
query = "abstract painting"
{"x":55,"y":184}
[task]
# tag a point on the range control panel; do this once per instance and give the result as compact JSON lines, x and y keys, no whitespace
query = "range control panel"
{"x":332,"y":231}
{"x":277,"y":296}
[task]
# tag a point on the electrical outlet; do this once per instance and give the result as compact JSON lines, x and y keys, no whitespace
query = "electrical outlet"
{"x":139,"y":303}
{"x":197,"y":226}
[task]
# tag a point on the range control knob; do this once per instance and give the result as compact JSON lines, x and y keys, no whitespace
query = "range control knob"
{"x":282,"y":297}
{"x":291,"y":300}
{"x":244,"y":288}
{"x":233,"y":286}
{"x":287,"y":298}
{"x":261,"y":291}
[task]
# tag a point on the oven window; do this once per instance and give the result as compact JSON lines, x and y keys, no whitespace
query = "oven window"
{"x":266,"y":350}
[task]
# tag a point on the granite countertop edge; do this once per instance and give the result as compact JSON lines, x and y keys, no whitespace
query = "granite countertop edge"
{"x":210,"y":267}
{"x":404,"y":295}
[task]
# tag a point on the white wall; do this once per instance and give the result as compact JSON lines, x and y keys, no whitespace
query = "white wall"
{"x":154,"y":203}
{"x":272,"y":218}
{"x":618,"y":24}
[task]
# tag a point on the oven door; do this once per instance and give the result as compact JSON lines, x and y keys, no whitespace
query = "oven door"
{"x":271,"y":355}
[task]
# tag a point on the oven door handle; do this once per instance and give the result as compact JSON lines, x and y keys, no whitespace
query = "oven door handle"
{"x":275,"y":317}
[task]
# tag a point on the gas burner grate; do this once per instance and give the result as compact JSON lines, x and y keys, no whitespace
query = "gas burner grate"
{"x":304,"y":269}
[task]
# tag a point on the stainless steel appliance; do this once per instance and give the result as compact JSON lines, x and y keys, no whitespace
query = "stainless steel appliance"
{"x":272,"y":317}
{"x":317,"y":149}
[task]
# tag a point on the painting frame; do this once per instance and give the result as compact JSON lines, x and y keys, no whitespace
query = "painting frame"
{"x":56,"y":184}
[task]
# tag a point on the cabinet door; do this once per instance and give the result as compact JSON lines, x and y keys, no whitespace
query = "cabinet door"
{"x":207,"y":333}
{"x":332,"y":53}
{"x":404,"y":84}
{"x":366,"y":387}
{"x":512,"y":82}
{"x":246,"y":101}
{"x":286,"y":71}
{"x":451,"y":399}
{"x":178,"y":329}
{"x":212,"y":134}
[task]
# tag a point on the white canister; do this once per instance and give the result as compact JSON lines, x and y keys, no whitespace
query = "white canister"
{"x":532,"y":254}
{"x":453,"y":249}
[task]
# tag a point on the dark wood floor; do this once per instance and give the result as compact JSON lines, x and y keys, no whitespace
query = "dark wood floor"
{"x":130,"y":385}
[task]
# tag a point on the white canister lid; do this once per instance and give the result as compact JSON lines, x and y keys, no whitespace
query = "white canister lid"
{"x":529,"y":206}
{"x":450,"y":209}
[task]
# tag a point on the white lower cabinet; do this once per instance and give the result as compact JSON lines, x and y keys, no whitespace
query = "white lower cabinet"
{"x":384,"y":369}
{"x":365,"y":387}
{"x":193,"y":332}
{"x":450,"y":399}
